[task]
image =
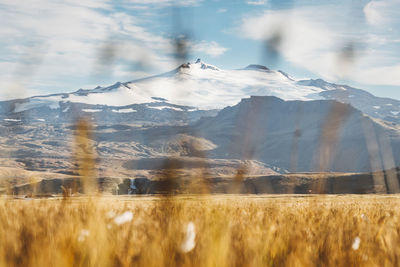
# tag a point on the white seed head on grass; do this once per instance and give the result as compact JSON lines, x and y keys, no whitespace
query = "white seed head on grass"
{"x":189,"y":243}
{"x":356,"y":243}
{"x":125,"y":217}
{"x":83,"y":234}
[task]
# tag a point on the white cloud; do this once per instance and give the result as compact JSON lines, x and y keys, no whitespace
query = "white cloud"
{"x":210,"y":48}
{"x":303,"y":41}
{"x":165,"y":2}
{"x":222,"y":10}
{"x":58,"y":45}
{"x":257,"y":2}
{"x":383,"y":75}
{"x":381,"y":13}
{"x":67,"y":37}
{"x":372,"y":14}
{"x":315,"y":38}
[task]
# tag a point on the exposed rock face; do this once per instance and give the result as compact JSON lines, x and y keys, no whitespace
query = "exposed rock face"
{"x":319,"y":135}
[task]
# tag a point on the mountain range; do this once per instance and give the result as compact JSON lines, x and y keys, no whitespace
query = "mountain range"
{"x":192,"y":90}
{"x":259,"y":120}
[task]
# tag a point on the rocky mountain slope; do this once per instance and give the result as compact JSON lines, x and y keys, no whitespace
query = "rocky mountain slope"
{"x":320,"y":135}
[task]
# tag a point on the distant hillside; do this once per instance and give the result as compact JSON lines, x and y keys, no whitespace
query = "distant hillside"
{"x":319,"y":135}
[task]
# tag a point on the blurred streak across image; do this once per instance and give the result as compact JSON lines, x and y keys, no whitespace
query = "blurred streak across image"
{"x":199,"y":133}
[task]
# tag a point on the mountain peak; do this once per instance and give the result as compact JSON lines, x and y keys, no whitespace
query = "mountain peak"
{"x":317,"y":83}
{"x":256,"y":67}
{"x":204,"y":65}
{"x":198,"y":64}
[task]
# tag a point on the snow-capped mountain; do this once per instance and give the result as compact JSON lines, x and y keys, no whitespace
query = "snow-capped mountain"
{"x":252,"y":115}
{"x":193,"y":88}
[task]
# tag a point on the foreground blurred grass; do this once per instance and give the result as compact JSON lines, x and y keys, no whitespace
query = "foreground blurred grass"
{"x":201,"y":231}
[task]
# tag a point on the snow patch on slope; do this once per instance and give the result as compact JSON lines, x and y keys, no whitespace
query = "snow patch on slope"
{"x":120,"y":96}
{"x":50,"y":101}
{"x":91,"y":110}
{"x":165,"y":107}
{"x":124,"y":110}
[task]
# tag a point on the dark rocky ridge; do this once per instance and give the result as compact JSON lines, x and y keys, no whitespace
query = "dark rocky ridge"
{"x":321,"y":135}
{"x":302,"y":183}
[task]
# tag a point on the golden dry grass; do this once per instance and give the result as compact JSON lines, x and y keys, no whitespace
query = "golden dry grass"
{"x":229,"y":230}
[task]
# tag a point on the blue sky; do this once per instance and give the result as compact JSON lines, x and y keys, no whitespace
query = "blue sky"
{"x":58,"y":46}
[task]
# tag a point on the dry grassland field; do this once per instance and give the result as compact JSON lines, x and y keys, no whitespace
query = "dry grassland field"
{"x":219,"y":230}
